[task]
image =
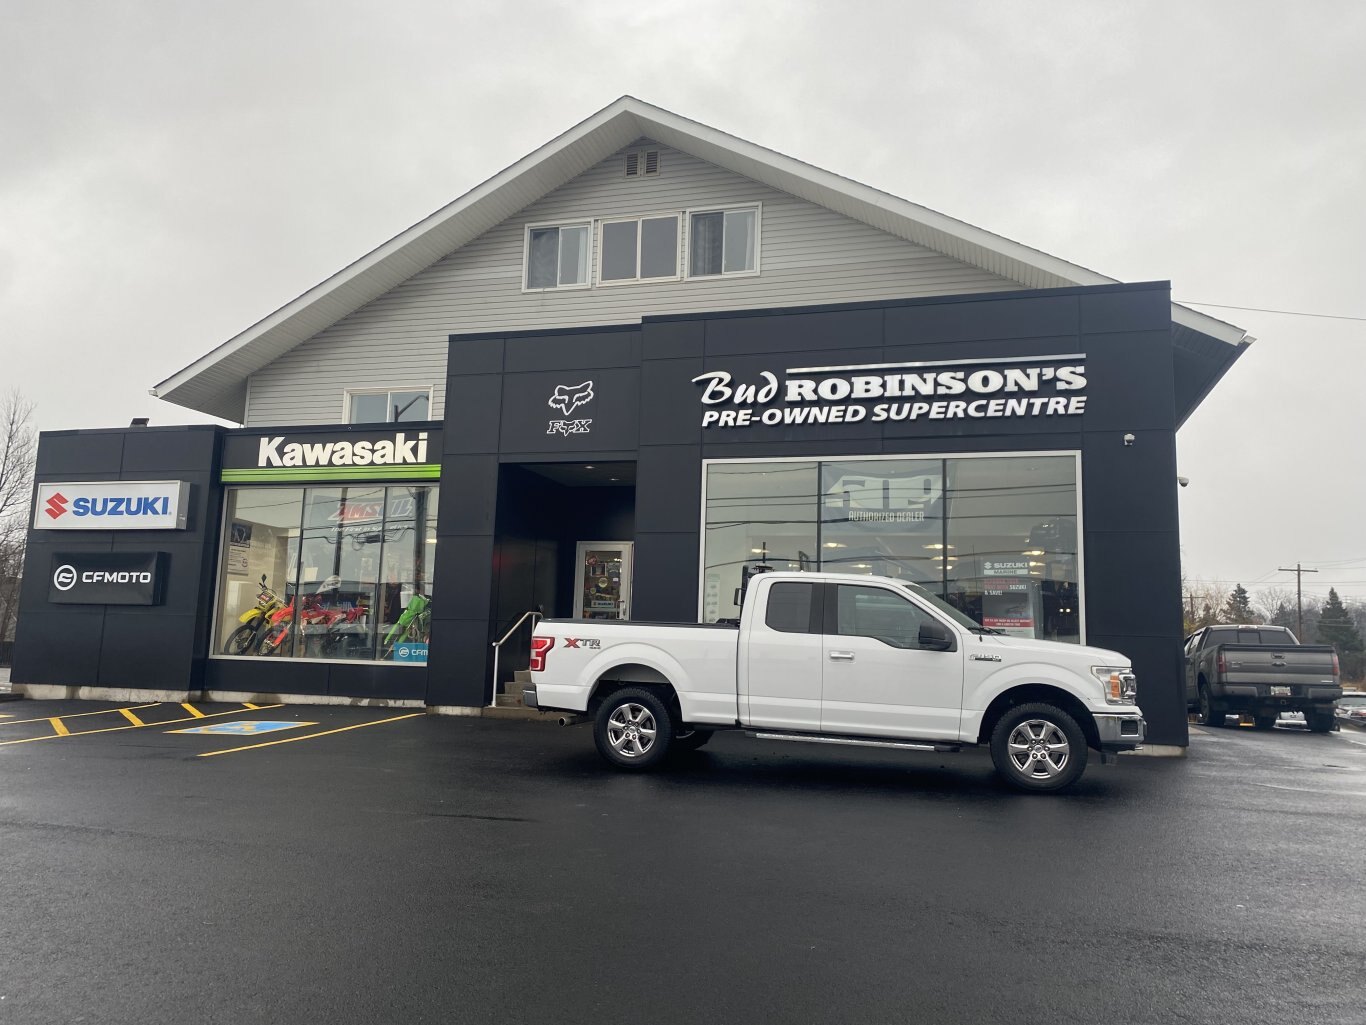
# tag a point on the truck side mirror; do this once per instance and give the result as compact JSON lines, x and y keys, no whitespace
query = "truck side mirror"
{"x":935,"y":637}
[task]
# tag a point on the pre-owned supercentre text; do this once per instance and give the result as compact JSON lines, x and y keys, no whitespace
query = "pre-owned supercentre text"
{"x":849,"y":394}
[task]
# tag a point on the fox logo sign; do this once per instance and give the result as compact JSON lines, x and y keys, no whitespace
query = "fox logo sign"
{"x":569,"y":397}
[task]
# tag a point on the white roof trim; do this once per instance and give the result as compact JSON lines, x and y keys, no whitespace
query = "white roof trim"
{"x":214,"y":383}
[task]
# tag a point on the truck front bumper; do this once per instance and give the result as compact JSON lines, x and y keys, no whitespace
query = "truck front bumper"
{"x":1120,"y":731}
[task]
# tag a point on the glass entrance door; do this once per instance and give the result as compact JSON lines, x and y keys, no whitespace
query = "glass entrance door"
{"x":602,"y":580}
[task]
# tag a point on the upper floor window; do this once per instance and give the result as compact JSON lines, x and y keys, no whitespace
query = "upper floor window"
{"x":378,"y":407}
{"x":723,"y":242}
{"x":557,"y":255}
{"x":638,"y":249}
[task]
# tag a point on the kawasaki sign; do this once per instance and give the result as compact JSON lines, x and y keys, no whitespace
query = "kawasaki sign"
{"x":112,"y":505}
{"x":333,"y":455}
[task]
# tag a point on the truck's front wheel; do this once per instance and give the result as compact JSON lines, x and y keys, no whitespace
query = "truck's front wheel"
{"x":633,"y":729}
{"x":1038,"y":747}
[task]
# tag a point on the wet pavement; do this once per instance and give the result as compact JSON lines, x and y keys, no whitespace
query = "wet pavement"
{"x":373,"y":866}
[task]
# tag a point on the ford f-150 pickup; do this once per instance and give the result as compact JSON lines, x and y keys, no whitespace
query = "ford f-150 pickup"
{"x":834,"y":659}
{"x":1261,"y":671}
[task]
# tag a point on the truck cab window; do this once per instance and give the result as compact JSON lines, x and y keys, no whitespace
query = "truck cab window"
{"x":789,"y":608}
{"x":878,"y":613}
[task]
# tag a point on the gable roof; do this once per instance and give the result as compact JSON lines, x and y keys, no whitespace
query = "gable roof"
{"x":216,"y":382}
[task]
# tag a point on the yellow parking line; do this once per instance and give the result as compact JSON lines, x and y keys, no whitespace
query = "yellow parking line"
{"x":248,"y":704}
{"x":132,"y":718}
{"x":308,"y":736}
{"x":192,"y":710}
{"x":59,"y":727}
{"x":116,"y":729}
{"x":77,"y":715}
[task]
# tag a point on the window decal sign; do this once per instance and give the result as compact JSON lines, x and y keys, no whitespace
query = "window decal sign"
{"x":567,"y":398}
{"x":975,"y":389}
{"x":113,"y":505}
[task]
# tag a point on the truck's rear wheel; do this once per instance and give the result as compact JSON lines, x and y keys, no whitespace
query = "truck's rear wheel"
{"x":633,"y":729}
{"x":1038,"y":747}
{"x":1319,"y":722}
{"x":1210,"y":713}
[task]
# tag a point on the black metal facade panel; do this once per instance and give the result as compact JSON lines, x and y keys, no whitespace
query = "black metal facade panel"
{"x":78,"y":646}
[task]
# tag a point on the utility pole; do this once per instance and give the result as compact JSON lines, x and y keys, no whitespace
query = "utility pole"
{"x":1299,"y":596}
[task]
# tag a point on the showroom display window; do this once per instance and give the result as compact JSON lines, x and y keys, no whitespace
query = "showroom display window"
{"x":330,"y":573}
{"x":996,"y":536}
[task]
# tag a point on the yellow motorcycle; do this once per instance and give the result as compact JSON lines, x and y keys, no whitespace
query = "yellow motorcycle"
{"x":247,"y":637}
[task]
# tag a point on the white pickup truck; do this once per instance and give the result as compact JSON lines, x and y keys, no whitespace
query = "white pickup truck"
{"x":835,"y":659}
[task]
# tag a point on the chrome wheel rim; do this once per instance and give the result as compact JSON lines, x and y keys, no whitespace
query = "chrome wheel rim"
{"x":631,"y":730}
{"x":1039,"y":749}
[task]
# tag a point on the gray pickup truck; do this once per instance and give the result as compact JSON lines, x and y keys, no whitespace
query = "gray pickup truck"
{"x":1260,"y":671}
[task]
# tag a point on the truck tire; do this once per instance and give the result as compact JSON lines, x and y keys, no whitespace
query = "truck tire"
{"x":1210,"y":714}
{"x":633,"y":729}
{"x":1264,"y":722}
{"x":1319,"y":722}
{"x":691,"y":741}
{"x":1038,"y":747}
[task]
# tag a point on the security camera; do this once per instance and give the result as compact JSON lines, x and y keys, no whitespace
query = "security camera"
{"x":1128,"y":440}
{"x":1183,"y":481}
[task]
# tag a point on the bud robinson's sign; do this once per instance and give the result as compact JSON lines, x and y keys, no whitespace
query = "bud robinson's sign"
{"x":964,"y":389}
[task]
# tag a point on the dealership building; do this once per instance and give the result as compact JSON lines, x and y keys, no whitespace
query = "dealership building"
{"x":611,"y":381}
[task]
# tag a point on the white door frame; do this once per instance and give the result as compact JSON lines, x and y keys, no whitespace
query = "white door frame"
{"x":627,"y":549}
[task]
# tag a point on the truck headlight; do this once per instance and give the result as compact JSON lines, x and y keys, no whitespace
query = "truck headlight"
{"x":1119,"y":683}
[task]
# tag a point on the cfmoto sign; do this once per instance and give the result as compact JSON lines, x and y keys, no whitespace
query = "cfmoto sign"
{"x":107,"y":578}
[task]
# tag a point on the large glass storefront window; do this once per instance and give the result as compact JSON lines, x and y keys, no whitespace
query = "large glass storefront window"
{"x":328,"y":573}
{"x":995,"y":536}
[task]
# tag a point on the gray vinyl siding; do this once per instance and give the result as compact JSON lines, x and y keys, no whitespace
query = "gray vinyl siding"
{"x":808,"y":255}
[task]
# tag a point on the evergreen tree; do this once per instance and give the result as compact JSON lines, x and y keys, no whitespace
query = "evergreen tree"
{"x":1238,"y":608}
{"x":1336,"y":627}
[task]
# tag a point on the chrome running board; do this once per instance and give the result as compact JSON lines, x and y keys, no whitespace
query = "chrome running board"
{"x":904,"y":745}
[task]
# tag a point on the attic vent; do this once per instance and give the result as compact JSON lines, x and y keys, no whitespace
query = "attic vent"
{"x":642,"y":163}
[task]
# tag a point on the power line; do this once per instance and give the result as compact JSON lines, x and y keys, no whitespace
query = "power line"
{"x":1258,"y":309}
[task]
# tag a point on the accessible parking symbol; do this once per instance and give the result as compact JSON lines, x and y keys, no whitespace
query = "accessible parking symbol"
{"x":245,"y":727}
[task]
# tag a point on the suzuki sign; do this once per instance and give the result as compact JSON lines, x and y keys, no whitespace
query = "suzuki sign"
{"x":113,"y":505}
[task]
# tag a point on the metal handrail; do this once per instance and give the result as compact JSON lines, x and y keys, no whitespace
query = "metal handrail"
{"x":535,"y":617}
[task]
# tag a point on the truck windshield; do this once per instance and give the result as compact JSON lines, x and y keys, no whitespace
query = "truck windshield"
{"x":966,"y":622}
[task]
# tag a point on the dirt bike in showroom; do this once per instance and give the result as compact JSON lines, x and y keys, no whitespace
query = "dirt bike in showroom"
{"x":247,"y":637}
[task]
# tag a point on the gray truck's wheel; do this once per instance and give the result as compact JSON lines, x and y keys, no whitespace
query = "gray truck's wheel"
{"x":1209,"y":714}
{"x":1038,"y":747}
{"x":633,"y":729}
{"x":1319,"y":722}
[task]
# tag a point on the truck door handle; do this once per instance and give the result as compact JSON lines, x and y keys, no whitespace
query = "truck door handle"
{"x":841,"y":656}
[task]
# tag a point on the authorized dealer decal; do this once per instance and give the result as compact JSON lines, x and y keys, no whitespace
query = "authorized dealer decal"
{"x":976,"y":389}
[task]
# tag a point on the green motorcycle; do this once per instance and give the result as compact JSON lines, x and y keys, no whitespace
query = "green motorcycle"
{"x":414,"y":625}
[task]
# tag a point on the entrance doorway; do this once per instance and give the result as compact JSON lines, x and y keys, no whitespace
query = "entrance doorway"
{"x":602,"y":580}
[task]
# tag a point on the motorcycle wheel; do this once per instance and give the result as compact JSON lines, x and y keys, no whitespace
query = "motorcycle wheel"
{"x":242,"y":640}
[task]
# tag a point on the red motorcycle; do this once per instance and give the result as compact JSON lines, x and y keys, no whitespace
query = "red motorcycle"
{"x":284,"y":622}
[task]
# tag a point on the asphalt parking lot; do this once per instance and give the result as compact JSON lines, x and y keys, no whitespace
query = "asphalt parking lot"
{"x":380,"y":866}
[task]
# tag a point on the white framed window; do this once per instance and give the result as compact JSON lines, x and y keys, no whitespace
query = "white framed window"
{"x":557,"y":256}
{"x":723,"y":241}
{"x":638,"y":249}
{"x":387,"y":405}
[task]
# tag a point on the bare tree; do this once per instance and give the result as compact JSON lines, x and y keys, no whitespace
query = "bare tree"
{"x":18,"y":445}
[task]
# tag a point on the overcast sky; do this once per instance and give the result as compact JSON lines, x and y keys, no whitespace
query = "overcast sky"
{"x":172,"y":172}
